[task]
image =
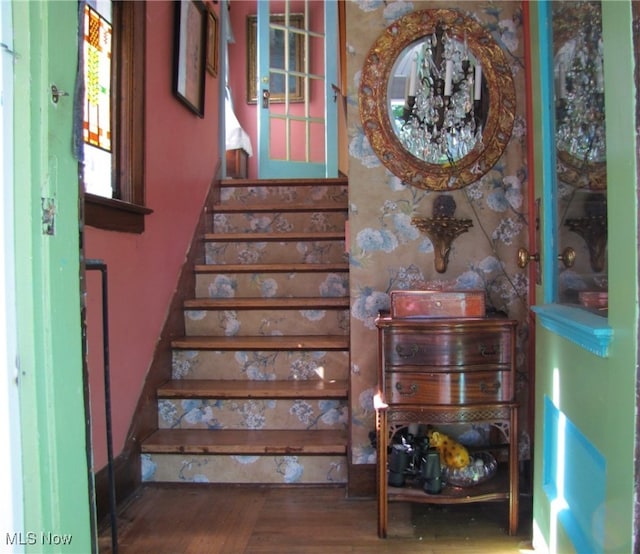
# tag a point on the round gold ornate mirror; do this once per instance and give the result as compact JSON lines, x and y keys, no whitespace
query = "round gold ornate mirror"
{"x":459,"y":99}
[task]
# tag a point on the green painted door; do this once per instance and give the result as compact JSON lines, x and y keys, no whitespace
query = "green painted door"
{"x":58,"y":513}
{"x":585,"y":378}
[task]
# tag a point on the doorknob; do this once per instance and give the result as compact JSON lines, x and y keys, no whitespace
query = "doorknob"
{"x":524,"y":257}
{"x":568,"y":256}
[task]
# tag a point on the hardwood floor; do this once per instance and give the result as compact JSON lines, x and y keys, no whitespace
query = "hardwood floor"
{"x":205,"y":519}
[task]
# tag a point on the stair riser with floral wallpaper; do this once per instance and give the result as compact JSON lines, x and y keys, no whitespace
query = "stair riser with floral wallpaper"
{"x":282,"y":252}
{"x":306,"y":322}
{"x":255,"y":365}
{"x":190,"y":413}
{"x":269,"y":470}
{"x":265,"y":285}
{"x":301,"y":192}
{"x":278,"y":222}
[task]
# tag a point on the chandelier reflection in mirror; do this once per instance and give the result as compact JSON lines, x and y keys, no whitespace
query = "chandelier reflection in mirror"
{"x":439,"y":118}
{"x":475,"y":133}
{"x":579,"y":96}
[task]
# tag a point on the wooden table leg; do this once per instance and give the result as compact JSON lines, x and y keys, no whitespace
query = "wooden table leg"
{"x":514,"y":489}
{"x":381,"y":465}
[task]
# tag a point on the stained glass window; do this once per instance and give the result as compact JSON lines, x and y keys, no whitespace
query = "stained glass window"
{"x":97,"y":55}
{"x":97,"y":43}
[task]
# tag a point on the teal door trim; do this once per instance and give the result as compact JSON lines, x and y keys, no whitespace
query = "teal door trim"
{"x":331,"y":81}
{"x":269,"y":168}
{"x":549,"y":238}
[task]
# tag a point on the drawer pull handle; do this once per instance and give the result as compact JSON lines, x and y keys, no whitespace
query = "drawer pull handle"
{"x":495,"y":387}
{"x":413,"y":388}
{"x":490,"y":350}
{"x":406,"y":351}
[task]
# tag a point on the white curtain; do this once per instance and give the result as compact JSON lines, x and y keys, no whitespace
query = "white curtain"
{"x":236,"y":136}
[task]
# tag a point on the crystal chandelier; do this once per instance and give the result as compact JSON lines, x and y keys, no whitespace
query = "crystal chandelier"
{"x":441,"y":118}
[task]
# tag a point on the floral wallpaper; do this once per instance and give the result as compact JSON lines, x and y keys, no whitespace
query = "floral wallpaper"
{"x":387,"y":252}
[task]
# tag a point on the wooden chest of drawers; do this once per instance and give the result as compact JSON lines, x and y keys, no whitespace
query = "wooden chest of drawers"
{"x":446,"y":371}
{"x":460,"y":361}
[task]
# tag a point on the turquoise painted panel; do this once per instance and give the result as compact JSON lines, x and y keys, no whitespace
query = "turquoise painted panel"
{"x":574,"y":476}
{"x":588,"y":330}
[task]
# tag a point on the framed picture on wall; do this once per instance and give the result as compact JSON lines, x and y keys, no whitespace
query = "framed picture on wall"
{"x":190,"y":53}
{"x":276,"y":59}
{"x":212,"y":42}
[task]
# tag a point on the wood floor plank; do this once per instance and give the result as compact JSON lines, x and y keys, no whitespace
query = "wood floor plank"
{"x":209,"y":519}
{"x":231,"y":513}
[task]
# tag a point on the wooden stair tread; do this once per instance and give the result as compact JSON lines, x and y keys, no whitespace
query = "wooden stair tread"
{"x":274,"y":237}
{"x":237,"y":207}
{"x":245,"y":442}
{"x":300,"y":182}
{"x":293,"y":389}
{"x":248,"y":303}
{"x":271,"y":268}
{"x":263,"y":342}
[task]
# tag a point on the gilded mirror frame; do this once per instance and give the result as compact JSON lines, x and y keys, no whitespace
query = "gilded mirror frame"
{"x":374,"y":108}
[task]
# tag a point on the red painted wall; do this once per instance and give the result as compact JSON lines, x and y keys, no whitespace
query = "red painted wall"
{"x":181,"y":159}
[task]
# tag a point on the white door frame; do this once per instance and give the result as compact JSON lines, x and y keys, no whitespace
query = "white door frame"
{"x":11,"y":511}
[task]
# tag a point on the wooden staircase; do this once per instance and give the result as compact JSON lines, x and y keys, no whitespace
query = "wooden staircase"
{"x":259,"y":388}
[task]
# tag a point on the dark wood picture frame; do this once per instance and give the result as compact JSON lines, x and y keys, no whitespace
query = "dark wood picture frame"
{"x":190,"y":54}
{"x":212,"y":42}
{"x":296,"y":53}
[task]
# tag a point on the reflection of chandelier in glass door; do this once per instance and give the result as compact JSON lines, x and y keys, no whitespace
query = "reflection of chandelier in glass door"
{"x":439,"y":119}
{"x":579,"y":94}
{"x":579,"y":81}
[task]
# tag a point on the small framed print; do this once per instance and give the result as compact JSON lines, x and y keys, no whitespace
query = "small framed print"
{"x":190,"y":54}
{"x":278,"y":81}
{"x":212,"y":43}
